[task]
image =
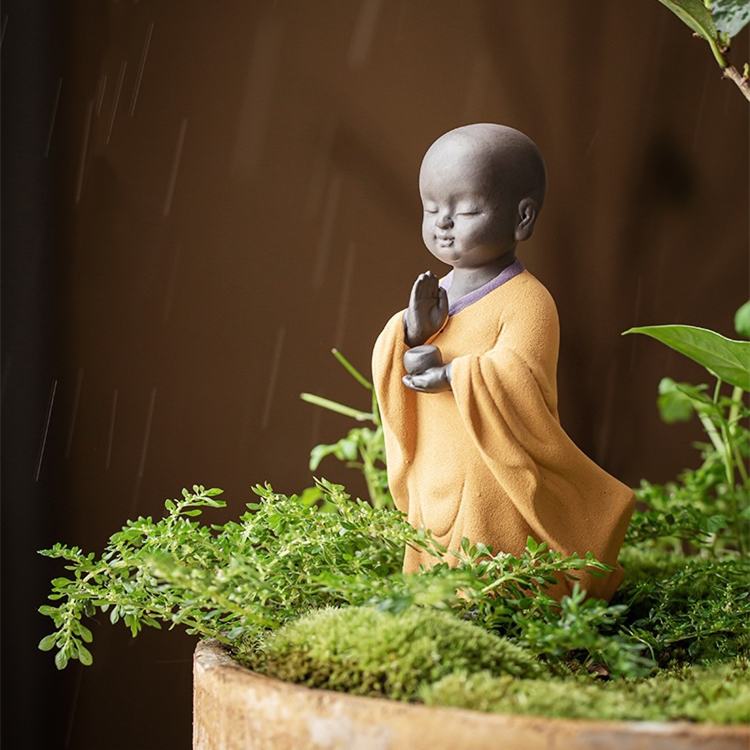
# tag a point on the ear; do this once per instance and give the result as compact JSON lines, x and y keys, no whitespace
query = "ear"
{"x":527,"y":212}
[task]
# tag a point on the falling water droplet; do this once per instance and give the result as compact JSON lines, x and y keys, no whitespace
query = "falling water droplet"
{"x":2,"y":32}
{"x":326,"y":235}
{"x":142,"y":65}
{"x":638,"y":299}
{"x":43,"y":442}
{"x":592,"y":141}
{"x":76,"y":400}
{"x":74,"y":705}
{"x":175,"y":167}
{"x":319,"y":176}
{"x":273,"y":377}
{"x":634,"y":340}
{"x":256,"y":105}
{"x":346,"y":288}
{"x":110,"y":441}
{"x":364,"y":32}
{"x":144,"y":452}
{"x":171,"y":284}
{"x":604,"y":433}
{"x":100,"y":98}
{"x":84,"y":150}
{"x":701,"y":107}
{"x":52,"y":121}
{"x":118,"y":91}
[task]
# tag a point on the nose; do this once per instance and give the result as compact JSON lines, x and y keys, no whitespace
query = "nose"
{"x":445,"y":221}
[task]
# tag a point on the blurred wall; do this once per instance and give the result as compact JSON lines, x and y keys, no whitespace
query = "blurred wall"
{"x":202,"y":198}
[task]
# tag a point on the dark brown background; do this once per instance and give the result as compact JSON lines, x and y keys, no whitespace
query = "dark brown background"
{"x":200,"y":199}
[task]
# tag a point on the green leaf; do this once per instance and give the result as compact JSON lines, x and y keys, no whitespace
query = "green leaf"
{"x":84,"y":632}
{"x":725,"y":358}
{"x":730,"y":16}
{"x":61,"y":659}
{"x":85,"y":657}
{"x":742,"y":316}
{"x":695,"y":14}
{"x":677,"y":401}
{"x":348,"y":449}
{"x":318,"y":453}
{"x":48,"y":642}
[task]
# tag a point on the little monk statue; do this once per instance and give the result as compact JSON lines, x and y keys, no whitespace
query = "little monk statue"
{"x":466,"y":375}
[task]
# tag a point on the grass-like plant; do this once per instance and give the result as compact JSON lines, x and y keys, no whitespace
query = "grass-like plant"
{"x":363,"y":447}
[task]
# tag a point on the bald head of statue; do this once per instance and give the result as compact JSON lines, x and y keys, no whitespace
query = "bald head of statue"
{"x":482,"y":187}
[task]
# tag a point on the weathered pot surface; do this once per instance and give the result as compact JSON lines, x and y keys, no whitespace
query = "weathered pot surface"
{"x":236,"y":709}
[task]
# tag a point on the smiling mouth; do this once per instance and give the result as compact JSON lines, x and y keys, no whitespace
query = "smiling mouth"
{"x":444,"y":240}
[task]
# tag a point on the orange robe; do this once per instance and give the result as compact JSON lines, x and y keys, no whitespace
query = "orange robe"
{"x":488,"y":460}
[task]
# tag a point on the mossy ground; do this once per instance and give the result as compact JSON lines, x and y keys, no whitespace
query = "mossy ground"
{"x":431,"y":656}
{"x":719,"y":694}
{"x":366,"y":652}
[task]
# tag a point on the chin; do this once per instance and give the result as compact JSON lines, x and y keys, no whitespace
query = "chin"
{"x":446,"y":255}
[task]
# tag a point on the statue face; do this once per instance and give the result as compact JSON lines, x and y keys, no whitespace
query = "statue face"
{"x":468,"y":220}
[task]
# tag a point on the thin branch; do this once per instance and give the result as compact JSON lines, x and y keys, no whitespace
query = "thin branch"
{"x":733,"y":74}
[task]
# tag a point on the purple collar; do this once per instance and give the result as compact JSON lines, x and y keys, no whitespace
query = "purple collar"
{"x":462,"y":303}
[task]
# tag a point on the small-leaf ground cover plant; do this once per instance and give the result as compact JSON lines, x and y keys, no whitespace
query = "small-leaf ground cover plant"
{"x":259,"y":585}
{"x":310,"y":588}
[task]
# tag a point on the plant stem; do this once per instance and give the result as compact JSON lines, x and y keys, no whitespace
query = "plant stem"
{"x":728,"y":453}
{"x":730,"y":72}
{"x":352,"y":370}
{"x":347,"y":411}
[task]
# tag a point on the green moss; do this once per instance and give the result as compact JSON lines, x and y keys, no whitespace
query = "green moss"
{"x":720,"y":694}
{"x":363,"y":651}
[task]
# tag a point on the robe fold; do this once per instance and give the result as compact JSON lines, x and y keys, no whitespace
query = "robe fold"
{"x":488,"y":460}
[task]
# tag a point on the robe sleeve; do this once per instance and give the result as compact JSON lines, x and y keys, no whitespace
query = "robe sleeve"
{"x":396,"y":402}
{"x":506,"y":398}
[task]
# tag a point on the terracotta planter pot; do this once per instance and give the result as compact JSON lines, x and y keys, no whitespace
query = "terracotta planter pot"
{"x":236,"y":709}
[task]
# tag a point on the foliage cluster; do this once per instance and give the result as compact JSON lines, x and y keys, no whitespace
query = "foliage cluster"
{"x":716,"y":22}
{"x":228,"y":582}
{"x":686,"y":609}
{"x":285,"y":557}
{"x":310,"y":588}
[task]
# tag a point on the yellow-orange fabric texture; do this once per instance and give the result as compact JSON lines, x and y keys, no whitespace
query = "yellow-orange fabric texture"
{"x":489,"y":460}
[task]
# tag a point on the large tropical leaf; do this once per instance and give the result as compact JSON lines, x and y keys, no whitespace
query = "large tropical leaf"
{"x":730,"y":16}
{"x":695,"y":14}
{"x":725,"y":358}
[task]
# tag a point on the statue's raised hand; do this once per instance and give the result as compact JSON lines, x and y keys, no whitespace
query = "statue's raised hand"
{"x":427,"y":311}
